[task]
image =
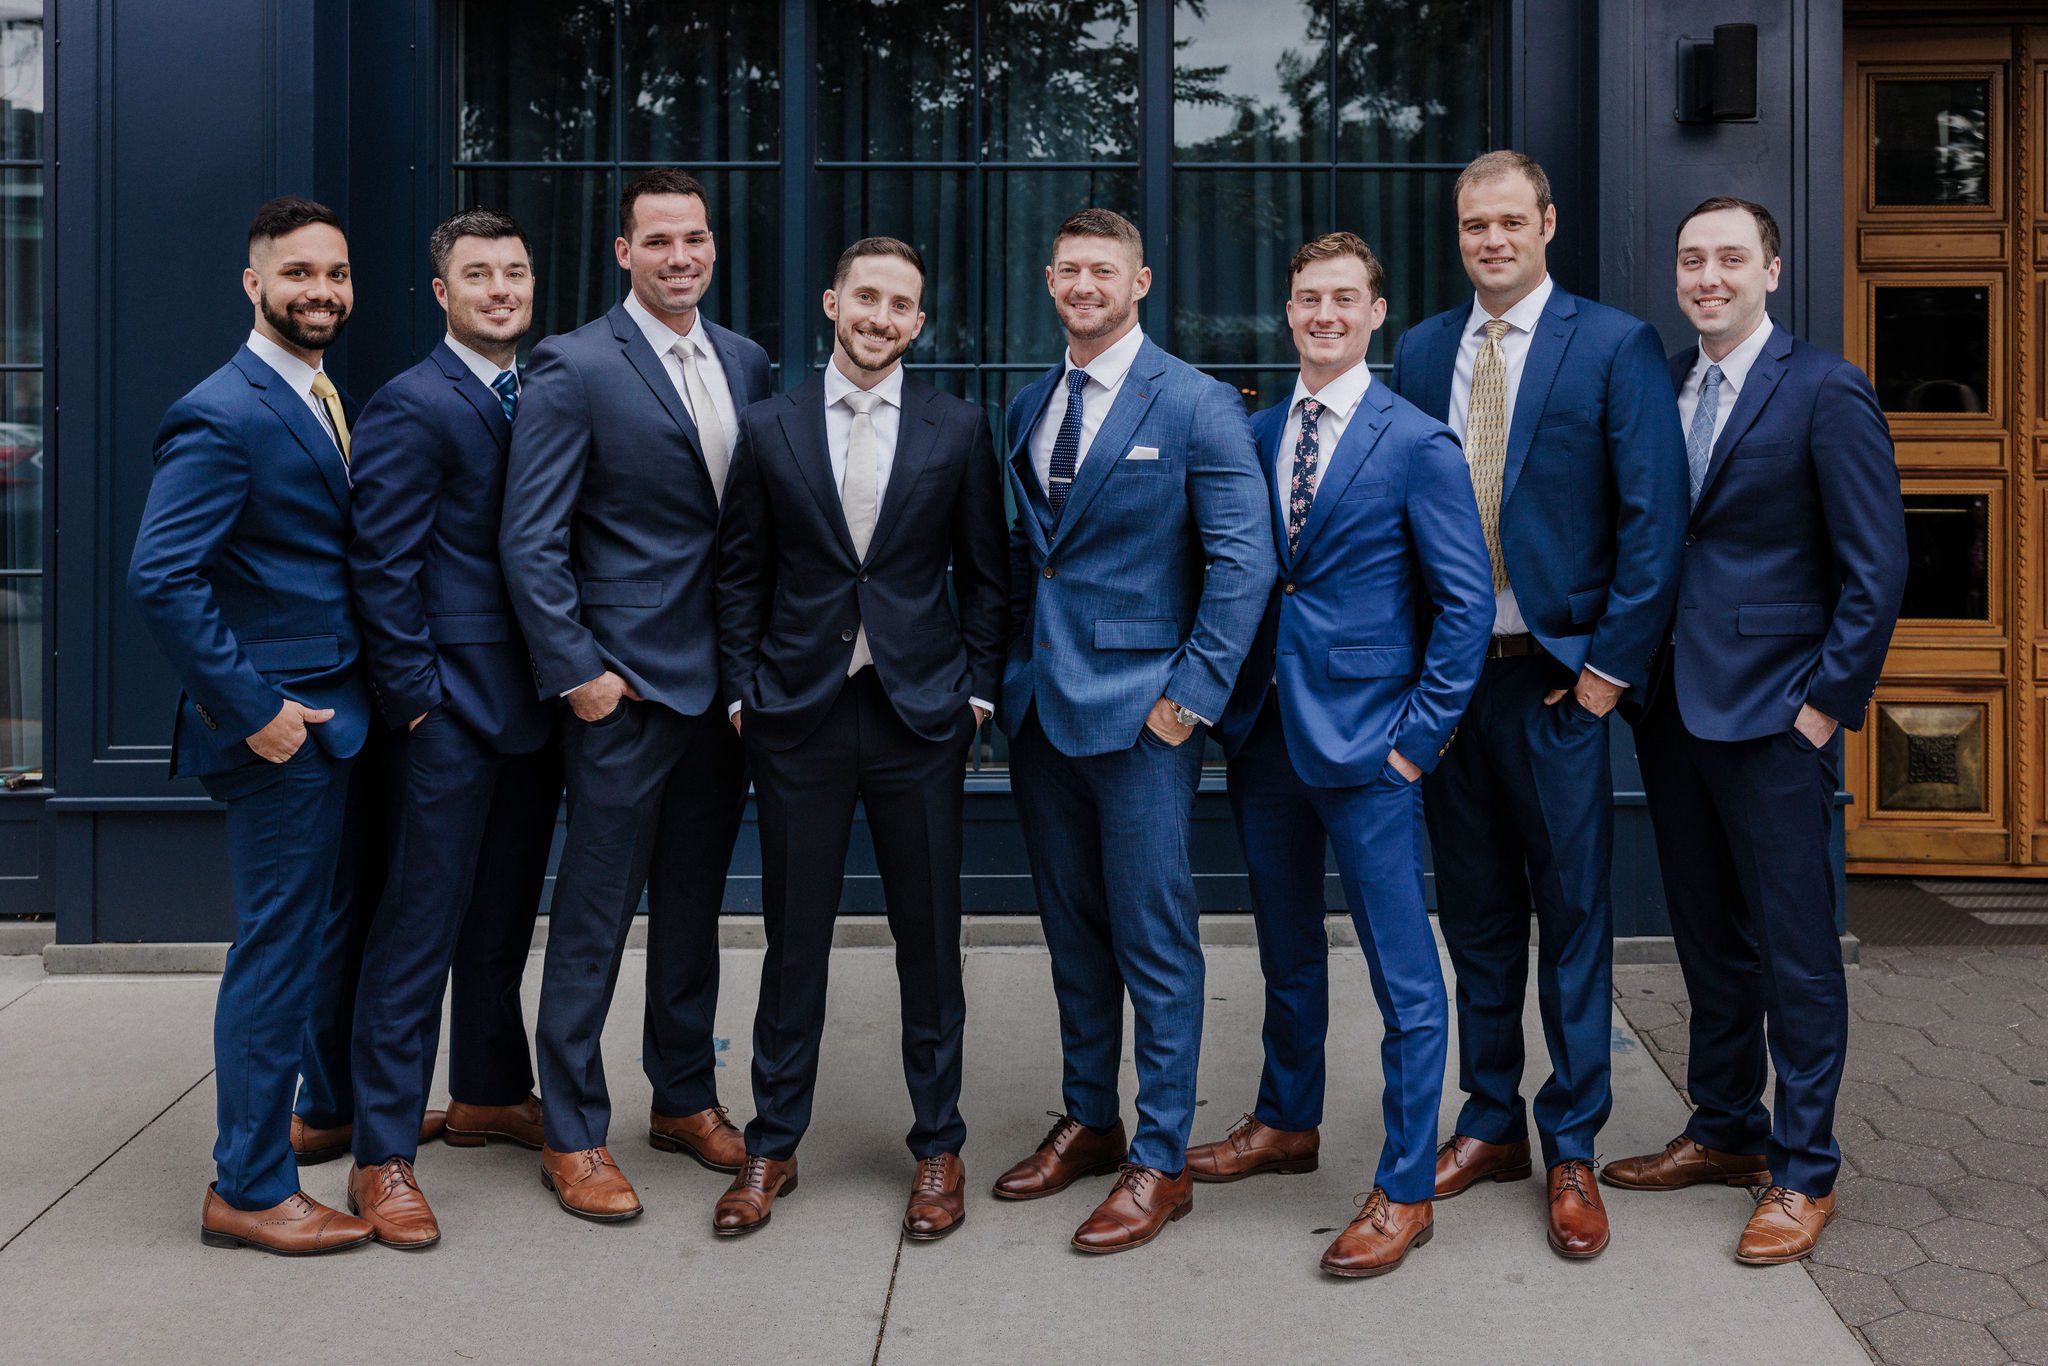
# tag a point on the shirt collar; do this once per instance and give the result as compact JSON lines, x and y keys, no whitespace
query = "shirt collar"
{"x":1736,"y":365}
{"x":838,"y":386}
{"x":1522,"y":317}
{"x":659,"y":334}
{"x":1340,"y":395}
{"x":290,"y":368}
{"x":1109,"y":368}
{"x":485,"y":369}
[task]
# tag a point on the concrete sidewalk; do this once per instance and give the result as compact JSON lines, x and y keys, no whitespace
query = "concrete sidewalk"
{"x":106,"y":1121}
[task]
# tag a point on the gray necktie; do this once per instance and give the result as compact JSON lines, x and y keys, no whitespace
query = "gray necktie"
{"x":858,"y":497}
{"x":1699,"y":438}
{"x":710,"y":430}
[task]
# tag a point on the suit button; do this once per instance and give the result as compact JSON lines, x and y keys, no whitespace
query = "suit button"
{"x":863,"y":578}
{"x":1048,"y":571}
{"x":1691,"y":539}
{"x":1288,"y":589}
{"x":846,"y":635}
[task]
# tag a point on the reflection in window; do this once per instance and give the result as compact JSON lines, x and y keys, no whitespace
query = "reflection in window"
{"x":534,"y":80}
{"x":1928,"y":142}
{"x":1060,"y":81}
{"x":1948,"y":553}
{"x":1933,"y":348}
{"x":703,"y":80}
{"x":23,"y":459}
{"x":1238,"y":231}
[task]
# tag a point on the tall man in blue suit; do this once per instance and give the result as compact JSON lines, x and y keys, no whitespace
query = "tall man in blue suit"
{"x":475,"y":760}
{"x":1578,"y":468}
{"x":1793,"y":572}
{"x":1370,"y":645}
{"x":1141,"y":557}
{"x":240,"y":570}
{"x":610,"y":547}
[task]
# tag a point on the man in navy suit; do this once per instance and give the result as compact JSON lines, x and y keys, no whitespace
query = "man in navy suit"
{"x":853,"y":678}
{"x":475,"y":760}
{"x":240,"y":571}
{"x":1578,"y":469}
{"x":1369,"y":647}
{"x":1795,"y":563}
{"x":610,"y":545}
{"x":1141,"y":557}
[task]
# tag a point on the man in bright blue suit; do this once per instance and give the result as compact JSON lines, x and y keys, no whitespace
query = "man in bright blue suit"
{"x":1141,"y":557}
{"x":1370,"y":645}
{"x":240,"y":571}
{"x":1795,"y":564}
{"x":475,"y":761}
{"x":1577,"y":464}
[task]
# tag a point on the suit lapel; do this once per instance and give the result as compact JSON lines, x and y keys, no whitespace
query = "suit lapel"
{"x":727,"y":345}
{"x":1440,"y":364}
{"x":1553,"y":335}
{"x":655,"y":371}
{"x":1269,"y":459}
{"x":1030,"y":495}
{"x":1749,"y":404}
{"x":477,"y":394}
{"x":803,"y":427}
{"x":298,"y":419}
{"x":917,"y":432}
{"x":1361,"y":436}
{"x":1133,"y":401}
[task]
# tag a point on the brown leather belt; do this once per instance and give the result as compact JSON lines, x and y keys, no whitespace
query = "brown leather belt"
{"x":1512,"y":647}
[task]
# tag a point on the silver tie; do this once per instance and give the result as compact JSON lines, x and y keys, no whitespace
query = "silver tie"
{"x":710,"y":430}
{"x":858,"y":498}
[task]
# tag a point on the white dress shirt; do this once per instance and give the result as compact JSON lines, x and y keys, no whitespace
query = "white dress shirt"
{"x":1734,"y":370}
{"x":1514,"y":352}
{"x":663,"y":339}
{"x":1340,"y":399}
{"x":298,"y":375}
{"x":1105,"y":377}
{"x":483,"y":367}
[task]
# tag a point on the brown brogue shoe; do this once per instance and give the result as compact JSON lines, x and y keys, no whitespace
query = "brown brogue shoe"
{"x":1143,"y":1201}
{"x":1464,"y":1162}
{"x":388,"y":1197}
{"x":1578,"y":1219}
{"x":589,"y":1185}
{"x":300,"y":1227}
{"x":472,"y":1126}
{"x":1685,"y":1163}
{"x":313,"y":1146}
{"x":1069,"y":1151}
{"x":938,"y":1198}
{"x":1784,"y":1227}
{"x":433,"y":1124}
{"x":1381,"y":1237}
{"x":708,"y":1136}
{"x":750,"y":1199}
{"x":1250,"y":1148}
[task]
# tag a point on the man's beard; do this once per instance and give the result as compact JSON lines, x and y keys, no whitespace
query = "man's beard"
{"x":297,"y":333}
{"x":846,"y":343}
{"x":1109,"y":321}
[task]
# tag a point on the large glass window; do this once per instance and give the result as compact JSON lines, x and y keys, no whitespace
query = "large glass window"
{"x":22,"y":152}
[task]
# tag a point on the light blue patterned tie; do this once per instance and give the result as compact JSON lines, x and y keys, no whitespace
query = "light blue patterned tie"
{"x":1699,"y":441}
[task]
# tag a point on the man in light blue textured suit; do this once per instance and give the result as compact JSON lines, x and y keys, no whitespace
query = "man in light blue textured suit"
{"x":1141,"y":557}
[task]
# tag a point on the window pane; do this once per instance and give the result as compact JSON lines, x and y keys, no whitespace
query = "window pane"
{"x":569,"y":218}
{"x":22,"y":463}
{"x":1933,"y":352}
{"x":21,"y":80}
{"x":1252,"y":82}
{"x":1060,"y":80}
{"x":934,"y":212}
{"x":1023,"y":210}
{"x":21,"y":267}
{"x":703,"y":81}
{"x":534,"y":80}
{"x":895,"y":80}
{"x":1260,"y":389}
{"x":1414,"y":79}
{"x":21,"y":673}
{"x":1948,"y":556}
{"x":1234,"y":234}
{"x":1928,"y":142}
{"x":1406,"y":217}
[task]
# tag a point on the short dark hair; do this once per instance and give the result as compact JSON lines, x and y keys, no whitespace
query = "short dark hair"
{"x":660,"y":180}
{"x":476,"y":222}
{"x":1334,"y":244}
{"x":876,"y":246}
{"x":1093,"y":222}
{"x":1493,"y":165}
{"x":1766,"y":226}
{"x":287,"y":214}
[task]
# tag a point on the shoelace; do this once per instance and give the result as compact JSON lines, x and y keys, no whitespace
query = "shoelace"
{"x":931,"y":1173}
{"x":1133,"y":1178}
{"x":1060,"y":1125}
{"x":395,"y":1174}
{"x":755,"y":1172}
{"x":1781,"y":1196}
{"x":1572,"y":1178}
{"x":1374,"y":1205}
{"x":1241,"y":1134}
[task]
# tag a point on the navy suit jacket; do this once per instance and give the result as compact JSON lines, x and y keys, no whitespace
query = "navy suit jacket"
{"x":791,"y":591}
{"x":429,"y":468}
{"x":1795,"y":560}
{"x":1593,"y":504}
{"x":1376,"y":634}
{"x":1151,"y":581}
{"x":240,"y":568}
{"x":610,"y":534}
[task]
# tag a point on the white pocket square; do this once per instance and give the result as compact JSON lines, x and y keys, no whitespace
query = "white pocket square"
{"x":1143,"y":453}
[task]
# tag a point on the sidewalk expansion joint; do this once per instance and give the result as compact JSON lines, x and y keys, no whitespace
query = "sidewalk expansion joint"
{"x":889,"y":1298}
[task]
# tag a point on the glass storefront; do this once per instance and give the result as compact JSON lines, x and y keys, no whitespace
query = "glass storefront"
{"x":22,"y":133}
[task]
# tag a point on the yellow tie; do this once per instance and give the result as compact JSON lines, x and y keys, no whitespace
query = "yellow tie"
{"x":324,"y":390}
{"x":1486,"y":440}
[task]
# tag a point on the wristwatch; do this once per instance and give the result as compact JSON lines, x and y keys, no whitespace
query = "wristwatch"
{"x":1186,"y":717}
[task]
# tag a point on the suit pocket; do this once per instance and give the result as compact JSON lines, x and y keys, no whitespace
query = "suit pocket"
{"x":1143,"y":633}
{"x":293,"y":654}
{"x":622,"y":592}
{"x":1781,"y":619}
{"x":468,"y":628}
{"x":1586,"y":606}
{"x":1363,"y":489}
{"x":1372,"y":661}
{"x":1762,"y":450}
{"x":1570,"y":417}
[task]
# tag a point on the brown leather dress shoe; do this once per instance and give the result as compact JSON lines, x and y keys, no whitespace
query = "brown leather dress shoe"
{"x":1578,"y":1220}
{"x":750,"y":1199}
{"x":708,"y":1136}
{"x":472,"y":1126}
{"x":938,"y":1198}
{"x":1380,"y":1238}
{"x":1464,"y":1162}
{"x":1143,"y":1201}
{"x":300,"y":1227}
{"x":1069,"y":1151}
{"x":588,"y":1184}
{"x":1784,"y":1227}
{"x":1250,"y":1148}
{"x":313,"y":1146}
{"x":389,"y":1198}
{"x":1685,"y":1163}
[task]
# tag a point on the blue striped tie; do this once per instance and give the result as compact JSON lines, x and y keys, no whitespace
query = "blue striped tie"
{"x":1066,"y":447}
{"x":1699,"y":438}
{"x":507,"y":385}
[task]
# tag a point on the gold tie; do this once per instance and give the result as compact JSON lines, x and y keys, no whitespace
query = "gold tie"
{"x":1486,"y":440}
{"x":324,"y":390}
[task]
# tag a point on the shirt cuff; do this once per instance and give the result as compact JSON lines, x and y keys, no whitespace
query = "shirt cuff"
{"x":988,"y":707}
{"x":1609,"y":677}
{"x":732,"y":711}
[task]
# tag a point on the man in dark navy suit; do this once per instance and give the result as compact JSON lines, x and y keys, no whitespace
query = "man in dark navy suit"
{"x":1795,"y":564}
{"x":1369,"y":647}
{"x":475,"y":758}
{"x":610,"y":545}
{"x":853,"y":678}
{"x":1578,"y":468}
{"x":240,"y":571}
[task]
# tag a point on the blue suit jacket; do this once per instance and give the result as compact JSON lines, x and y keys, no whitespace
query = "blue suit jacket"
{"x":429,"y":468}
{"x":1151,"y":581}
{"x":1593,"y":506}
{"x":240,"y":568}
{"x":1796,"y":559}
{"x":610,"y":533}
{"x":1376,"y":634}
